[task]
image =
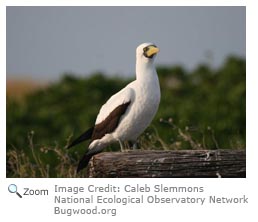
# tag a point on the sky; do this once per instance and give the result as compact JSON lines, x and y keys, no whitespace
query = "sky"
{"x":45,"y":42}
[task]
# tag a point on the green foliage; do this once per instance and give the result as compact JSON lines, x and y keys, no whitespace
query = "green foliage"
{"x":202,"y":109}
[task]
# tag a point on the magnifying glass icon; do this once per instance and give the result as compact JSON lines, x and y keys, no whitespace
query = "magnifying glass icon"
{"x":12,"y":188}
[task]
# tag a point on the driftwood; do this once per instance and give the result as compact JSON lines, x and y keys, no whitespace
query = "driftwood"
{"x":176,"y":164}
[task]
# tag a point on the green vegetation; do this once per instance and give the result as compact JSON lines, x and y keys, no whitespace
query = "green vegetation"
{"x":201,"y":109}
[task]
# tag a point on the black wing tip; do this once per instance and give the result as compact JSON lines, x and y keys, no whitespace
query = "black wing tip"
{"x":68,"y":147}
{"x":85,"y":136}
{"x":71,"y":145}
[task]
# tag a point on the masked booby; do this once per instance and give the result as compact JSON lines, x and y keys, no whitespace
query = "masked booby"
{"x":127,"y":113}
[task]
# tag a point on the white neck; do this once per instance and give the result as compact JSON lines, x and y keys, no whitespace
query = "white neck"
{"x":145,"y":67}
{"x":148,"y":82}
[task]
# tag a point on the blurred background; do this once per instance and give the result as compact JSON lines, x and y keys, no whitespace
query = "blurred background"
{"x":63,"y":63}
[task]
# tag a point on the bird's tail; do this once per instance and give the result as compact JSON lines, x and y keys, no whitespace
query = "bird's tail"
{"x":86,"y":158}
{"x":84,"y":162}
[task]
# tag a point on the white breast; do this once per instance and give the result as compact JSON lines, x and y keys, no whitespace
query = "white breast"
{"x":142,"y":110}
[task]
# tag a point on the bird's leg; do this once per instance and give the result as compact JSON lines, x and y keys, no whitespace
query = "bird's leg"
{"x":127,"y":145}
{"x":121,"y":146}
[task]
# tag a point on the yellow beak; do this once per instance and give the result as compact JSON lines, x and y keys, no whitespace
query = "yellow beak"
{"x":152,"y":50}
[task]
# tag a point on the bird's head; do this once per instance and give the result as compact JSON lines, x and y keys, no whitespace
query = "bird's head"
{"x":146,"y":51}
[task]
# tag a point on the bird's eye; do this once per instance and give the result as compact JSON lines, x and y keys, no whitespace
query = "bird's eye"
{"x":145,"y":49}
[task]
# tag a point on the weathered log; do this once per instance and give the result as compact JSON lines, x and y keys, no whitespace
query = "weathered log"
{"x":169,"y":164}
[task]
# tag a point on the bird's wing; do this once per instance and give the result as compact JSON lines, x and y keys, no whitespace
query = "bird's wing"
{"x":85,"y":136}
{"x":111,"y":112}
{"x":123,"y":96}
{"x":108,"y":117}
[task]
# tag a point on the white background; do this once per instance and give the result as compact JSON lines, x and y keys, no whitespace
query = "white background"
{"x":40,"y":208}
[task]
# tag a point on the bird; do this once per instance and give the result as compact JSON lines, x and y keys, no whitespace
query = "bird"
{"x":126,"y":114}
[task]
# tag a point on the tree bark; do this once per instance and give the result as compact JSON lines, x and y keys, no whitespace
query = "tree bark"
{"x":169,"y":164}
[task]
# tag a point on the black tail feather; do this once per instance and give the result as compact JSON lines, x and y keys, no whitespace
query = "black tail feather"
{"x":86,"y":158}
{"x":85,"y":136}
{"x":84,"y":162}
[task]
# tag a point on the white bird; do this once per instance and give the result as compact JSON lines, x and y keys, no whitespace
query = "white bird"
{"x":127,"y":113}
